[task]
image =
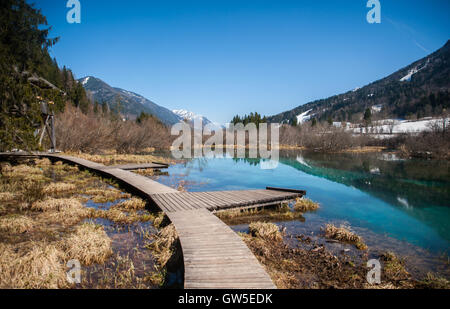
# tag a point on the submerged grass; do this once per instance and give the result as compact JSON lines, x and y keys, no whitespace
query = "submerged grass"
{"x":239,"y":216}
{"x":298,"y":268}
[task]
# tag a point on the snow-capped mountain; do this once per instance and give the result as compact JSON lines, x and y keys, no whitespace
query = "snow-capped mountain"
{"x":187,"y":115}
{"x":132,"y":103}
{"x":191,"y":117}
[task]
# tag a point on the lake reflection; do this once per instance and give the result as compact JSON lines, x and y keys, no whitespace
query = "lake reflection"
{"x":407,"y":201}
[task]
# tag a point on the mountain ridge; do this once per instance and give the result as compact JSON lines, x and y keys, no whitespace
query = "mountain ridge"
{"x":420,"y":89}
{"x":133,"y":104}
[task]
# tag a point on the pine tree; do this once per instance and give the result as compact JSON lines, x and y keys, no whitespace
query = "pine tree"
{"x":368,"y":115}
{"x":96,"y":107}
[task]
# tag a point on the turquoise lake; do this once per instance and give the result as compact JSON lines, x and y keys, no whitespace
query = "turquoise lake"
{"x":397,"y":205}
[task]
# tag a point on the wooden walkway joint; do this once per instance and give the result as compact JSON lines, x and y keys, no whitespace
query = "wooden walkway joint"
{"x":214,"y":255}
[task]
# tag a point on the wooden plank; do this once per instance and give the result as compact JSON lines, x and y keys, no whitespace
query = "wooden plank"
{"x":286,"y":190}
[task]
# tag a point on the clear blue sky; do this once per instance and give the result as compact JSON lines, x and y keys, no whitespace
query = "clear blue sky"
{"x":221,"y":58}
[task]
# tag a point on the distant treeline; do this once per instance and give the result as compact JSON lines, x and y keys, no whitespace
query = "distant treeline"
{"x":252,"y":118}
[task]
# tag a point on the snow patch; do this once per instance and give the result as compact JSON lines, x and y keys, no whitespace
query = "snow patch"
{"x":85,"y":81}
{"x":377,"y":108}
{"x":408,"y":77}
{"x":304,"y":117}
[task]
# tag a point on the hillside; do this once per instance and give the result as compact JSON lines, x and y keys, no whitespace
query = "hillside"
{"x":132,"y":104}
{"x":418,"y":90}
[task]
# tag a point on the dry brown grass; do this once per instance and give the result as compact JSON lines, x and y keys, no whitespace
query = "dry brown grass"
{"x":7,"y":196}
{"x":43,"y":162}
{"x":106,"y":195}
{"x":304,"y":205}
{"x":51,"y":204}
{"x":159,"y":219}
{"x":65,"y":217}
{"x":132,"y":204}
{"x":245,"y":216}
{"x":117,"y":159}
{"x":15,"y":224}
{"x":31,"y":266}
{"x":89,"y":244}
{"x":120,"y":217}
{"x":268,"y":231}
{"x":164,"y":244}
{"x":146,"y":172}
{"x":344,"y":234}
{"x":23,"y":173}
{"x":59,"y":187}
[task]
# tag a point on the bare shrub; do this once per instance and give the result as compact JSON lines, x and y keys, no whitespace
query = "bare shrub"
{"x":92,"y":133}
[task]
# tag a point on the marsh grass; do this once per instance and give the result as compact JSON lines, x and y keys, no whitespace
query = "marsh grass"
{"x":52,"y":204}
{"x":32,"y":265}
{"x":394,"y":267}
{"x":119,"y":273}
{"x":41,"y":207}
{"x":15,"y":224}
{"x":164,"y":244}
{"x":265,"y":230}
{"x":88,"y":243}
{"x":60,"y":187}
{"x":7,"y":196}
{"x":106,"y":195}
{"x":132,"y":204}
{"x":121,"y":217}
{"x":432,"y":281}
{"x":305,"y":205}
{"x":239,"y":216}
{"x":299,"y":268}
{"x":344,"y":234}
{"x":117,"y":159}
{"x":146,"y":172}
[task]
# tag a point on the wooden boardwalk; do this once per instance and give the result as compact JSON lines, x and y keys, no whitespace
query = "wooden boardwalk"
{"x":214,"y":255}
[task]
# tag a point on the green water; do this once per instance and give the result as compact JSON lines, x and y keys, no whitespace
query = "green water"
{"x":399,"y":205}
